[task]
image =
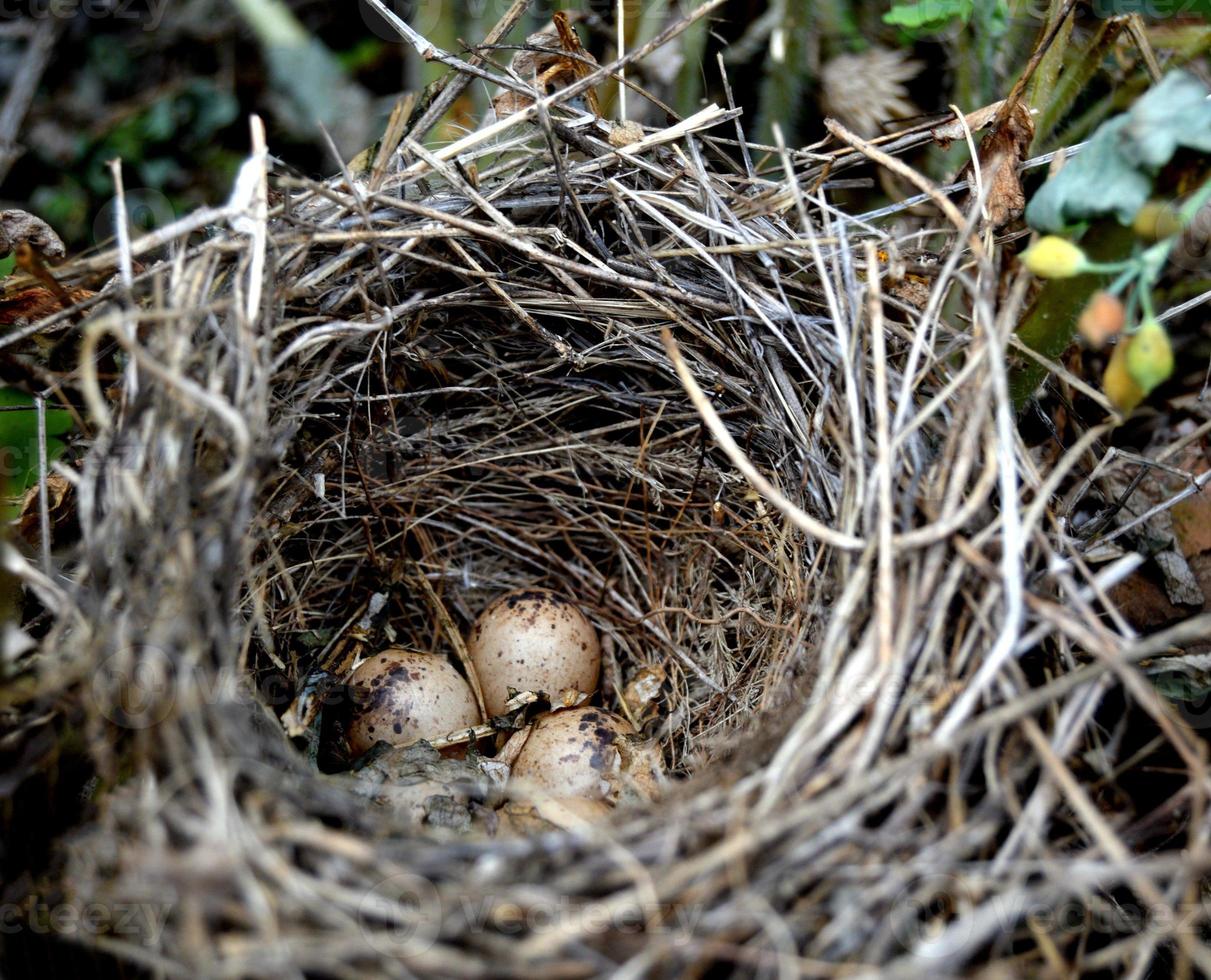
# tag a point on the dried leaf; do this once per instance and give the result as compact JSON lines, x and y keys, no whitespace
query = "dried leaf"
{"x":57,"y":495}
{"x":956,"y":129}
{"x":546,"y":69}
{"x":30,"y":305}
{"x":1192,"y":521}
{"x":1181,"y":584}
{"x":1158,"y":532}
{"x":21,"y":226}
{"x":1000,"y":153}
{"x":625,"y":133}
{"x":582,"y":65}
{"x":507,"y":103}
{"x":642,"y":691}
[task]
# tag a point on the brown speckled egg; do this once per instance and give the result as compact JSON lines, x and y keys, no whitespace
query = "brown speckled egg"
{"x":400,"y":696}
{"x":576,"y":752}
{"x":533,"y":640}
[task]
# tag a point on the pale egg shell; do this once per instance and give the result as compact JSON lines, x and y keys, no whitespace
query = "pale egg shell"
{"x":571,"y":812}
{"x":517,"y":819}
{"x":401,"y":696}
{"x":577,"y":752}
{"x":533,"y":640}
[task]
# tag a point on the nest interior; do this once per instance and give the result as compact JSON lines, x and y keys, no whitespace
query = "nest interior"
{"x":482,"y":453}
{"x":673,"y":388}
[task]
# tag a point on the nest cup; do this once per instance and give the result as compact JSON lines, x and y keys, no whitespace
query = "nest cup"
{"x":485,"y":458}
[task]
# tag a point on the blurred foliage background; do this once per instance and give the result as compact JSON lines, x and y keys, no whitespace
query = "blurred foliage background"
{"x":167,"y":86}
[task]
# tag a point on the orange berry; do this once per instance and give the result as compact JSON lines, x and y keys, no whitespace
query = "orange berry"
{"x":1117,"y":383}
{"x":1102,"y":318}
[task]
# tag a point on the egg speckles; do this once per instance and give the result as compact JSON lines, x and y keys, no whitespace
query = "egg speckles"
{"x":580,"y":752}
{"x":401,"y":696}
{"x":533,"y":640}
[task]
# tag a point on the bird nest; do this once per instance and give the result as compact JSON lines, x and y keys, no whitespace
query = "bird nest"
{"x":647,"y":371}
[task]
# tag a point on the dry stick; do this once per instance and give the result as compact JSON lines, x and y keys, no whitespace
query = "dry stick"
{"x":43,"y":504}
{"x":126,"y":271}
{"x":440,"y":166}
{"x":1193,"y":436}
{"x":455,"y":637}
{"x":621,"y":44}
{"x":914,"y":177}
{"x":1058,"y":370}
{"x":1139,"y":34}
{"x":533,"y":252}
{"x":26,"y":77}
{"x":927,"y":132}
{"x":565,"y":349}
{"x":884,"y":582}
{"x":1013,"y":544}
{"x":916,"y":538}
{"x":1069,"y":460}
{"x":1195,"y":486}
{"x":390,"y":140}
{"x":90,"y":389}
{"x":152,"y":240}
{"x":800,"y":518}
{"x":452,"y":86}
{"x":1100,"y":641}
{"x":487,"y":134}
{"x":832,"y":299}
{"x":258,"y":230}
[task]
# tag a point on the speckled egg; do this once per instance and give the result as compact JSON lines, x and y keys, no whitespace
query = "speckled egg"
{"x":533,"y":640}
{"x":400,"y":696}
{"x":582,"y":752}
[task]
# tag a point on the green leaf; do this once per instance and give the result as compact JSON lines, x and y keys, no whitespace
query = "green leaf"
{"x":1152,"y":9}
{"x":7,"y":265}
{"x":1100,"y":180}
{"x":214,"y":108}
{"x":1175,"y":113}
{"x":929,"y":15}
{"x":362,"y":55}
{"x":1114,"y":173}
{"x":995,"y":18}
{"x":19,"y":445}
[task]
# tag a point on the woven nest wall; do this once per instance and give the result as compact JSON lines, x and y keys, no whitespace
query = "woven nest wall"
{"x":655,"y":382}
